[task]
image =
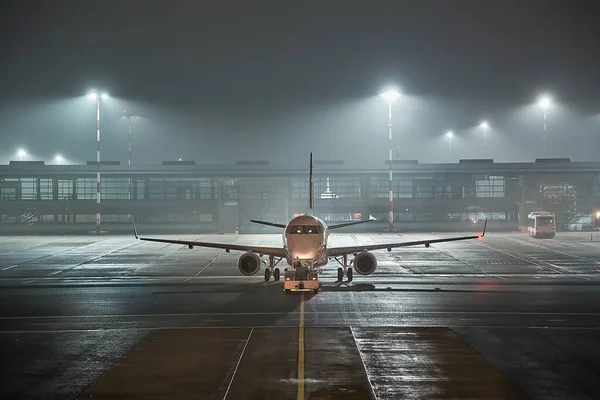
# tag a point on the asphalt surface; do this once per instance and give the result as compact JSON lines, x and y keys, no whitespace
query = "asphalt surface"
{"x":507,"y":317}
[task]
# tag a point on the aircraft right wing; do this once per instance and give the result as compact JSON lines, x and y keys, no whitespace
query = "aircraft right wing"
{"x":268,"y":223}
{"x":269,"y":251}
{"x":340,"y":251}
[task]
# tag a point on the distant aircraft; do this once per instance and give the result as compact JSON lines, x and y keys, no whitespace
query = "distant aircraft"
{"x":305,"y":240}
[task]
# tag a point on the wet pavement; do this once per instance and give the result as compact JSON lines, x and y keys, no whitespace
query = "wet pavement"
{"x":507,"y":317}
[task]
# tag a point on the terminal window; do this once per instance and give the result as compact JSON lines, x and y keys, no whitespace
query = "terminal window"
{"x":493,"y":186}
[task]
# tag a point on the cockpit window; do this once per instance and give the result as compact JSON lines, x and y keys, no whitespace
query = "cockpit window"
{"x":304,"y":229}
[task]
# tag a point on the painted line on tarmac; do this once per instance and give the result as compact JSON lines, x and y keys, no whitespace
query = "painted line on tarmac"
{"x":12,"y":266}
{"x":534,"y":261}
{"x":533,"y":244}
{"x":34,"y":246}
{"x":470,"y":264}
{"x":586,"y":328}
{"x":206,"y":266}
{"x":301,"y":383}
{"x":34,"y":317}
{"x":362,"y":360}
{"x":238,"y":364}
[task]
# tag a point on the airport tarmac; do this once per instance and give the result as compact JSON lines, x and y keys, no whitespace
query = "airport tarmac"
{"x":506,"y":317}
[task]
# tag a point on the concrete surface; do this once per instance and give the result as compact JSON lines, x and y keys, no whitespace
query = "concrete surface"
{"x":506,"y":317}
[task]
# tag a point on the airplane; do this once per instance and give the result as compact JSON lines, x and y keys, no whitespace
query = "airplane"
{"x":305,"y":248}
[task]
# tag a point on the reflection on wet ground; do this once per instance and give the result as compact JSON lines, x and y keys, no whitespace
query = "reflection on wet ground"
{"x":506,"y":318}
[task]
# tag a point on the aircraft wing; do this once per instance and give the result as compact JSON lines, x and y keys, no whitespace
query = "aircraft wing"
{"x":330,"y":227}
{"x":340,"y":251}
{"x":268,"y":223}
{"x":269,"y":251}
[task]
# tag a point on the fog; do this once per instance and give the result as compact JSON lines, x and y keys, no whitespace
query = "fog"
{"x":352,"y":130}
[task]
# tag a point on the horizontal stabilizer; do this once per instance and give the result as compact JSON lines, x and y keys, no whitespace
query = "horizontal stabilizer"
{"x":348,"y":224}
{"x":268,"y":223}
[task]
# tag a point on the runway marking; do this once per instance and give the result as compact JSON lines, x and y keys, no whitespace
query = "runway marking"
{"x":300,"y":392}
{"x":12,"y":266}
{"x":37,"y":331}
{"x":534,"y":261}
{"x":362,"y":360}
{"x":88,"y":261}
{"x":206,"y":266}
{"x":238,"y":364}
{"x":470,"y":264}
{"x":32,"y":317}
{"x":34,"y":246}
{"x":554,"y":250}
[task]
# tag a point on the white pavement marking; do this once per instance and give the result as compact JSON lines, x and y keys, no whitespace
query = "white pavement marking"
{"x":161,"y":328}
{"x":238,"y":364}
{"x":470,"y":264}
{"x":206,"y":266}
{"x":575,"y":314}
{"x":12,"y":266}
{"x":554,"y":250}
{"x":533,"y":261}
{"x":362,"y":360}
{"x":87,"y":262}
{"x":32,"y":247}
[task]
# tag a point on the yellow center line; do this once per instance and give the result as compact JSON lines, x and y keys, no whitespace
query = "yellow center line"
{"x":300,"y":395}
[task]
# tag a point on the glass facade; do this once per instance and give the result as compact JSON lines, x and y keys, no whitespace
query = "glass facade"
{"x":402,"y":187}
{"x":424,"y":194}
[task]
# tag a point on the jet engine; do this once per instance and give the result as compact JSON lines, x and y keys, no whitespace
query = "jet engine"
{"x":249,"y":263}
{"x":365,"y":263}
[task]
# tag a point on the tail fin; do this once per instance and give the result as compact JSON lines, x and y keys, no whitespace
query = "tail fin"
{"x":310,"y":188}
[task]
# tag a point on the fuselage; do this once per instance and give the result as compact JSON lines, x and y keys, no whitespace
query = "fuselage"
{"x":305,"y":239}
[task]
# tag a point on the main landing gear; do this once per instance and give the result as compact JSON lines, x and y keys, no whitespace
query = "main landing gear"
{"x":344,"y":269}
{"x":272,"y":268}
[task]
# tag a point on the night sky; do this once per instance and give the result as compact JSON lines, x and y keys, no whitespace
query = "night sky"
{"x":222,"y":81}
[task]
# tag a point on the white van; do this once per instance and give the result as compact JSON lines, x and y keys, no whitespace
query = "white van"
{"x":541,"y":224}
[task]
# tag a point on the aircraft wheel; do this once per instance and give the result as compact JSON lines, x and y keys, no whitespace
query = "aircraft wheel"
{"x":340,"y":274}
{"x":267,"y":274}
{"x":349,"y":273}
{"x":276,"y":274}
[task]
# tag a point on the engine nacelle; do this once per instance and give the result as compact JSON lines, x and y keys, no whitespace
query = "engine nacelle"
{"x":365,"y":263}
{"x":249,"y":263}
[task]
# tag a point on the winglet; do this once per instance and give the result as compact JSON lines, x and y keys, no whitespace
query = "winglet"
{"x":135,"y":230}
{"x":484,"y":226}
{"x":310,"y":187}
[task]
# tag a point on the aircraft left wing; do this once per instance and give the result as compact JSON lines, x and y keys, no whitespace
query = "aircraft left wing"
{"x":340,"y":251}
{"x":269,"y":251}
{"x":330,"y":227}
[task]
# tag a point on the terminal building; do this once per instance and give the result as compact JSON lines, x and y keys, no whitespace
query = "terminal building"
{"x":185,"y":197}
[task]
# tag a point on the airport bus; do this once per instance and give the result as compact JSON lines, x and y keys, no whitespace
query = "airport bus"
{"x":541,"y":224}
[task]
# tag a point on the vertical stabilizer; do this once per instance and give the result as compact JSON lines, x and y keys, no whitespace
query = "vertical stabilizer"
{"x":310,"y":188}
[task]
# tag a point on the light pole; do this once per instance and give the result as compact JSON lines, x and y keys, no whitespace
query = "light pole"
{"x":94,"y":96}
{"x":485,"y":126}
{"x":390,"y":96}
{"x":58,"y":159}
{"x":129,"y":116}
{"x":21,"y":153}
{"x":545,"y":102}
{"x":449,"y":135}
